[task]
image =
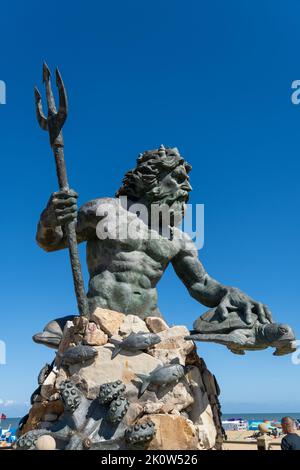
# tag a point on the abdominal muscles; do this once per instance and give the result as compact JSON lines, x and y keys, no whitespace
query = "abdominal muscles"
{"x":129,"y":293}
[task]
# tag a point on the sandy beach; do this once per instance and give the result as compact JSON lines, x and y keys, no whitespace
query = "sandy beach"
{"x":248,"y":444}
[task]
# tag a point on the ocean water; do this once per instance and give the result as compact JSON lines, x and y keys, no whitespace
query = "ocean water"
{"x":246,"y":416}
{"x":260,"y":416}
{"x":13,"y":422}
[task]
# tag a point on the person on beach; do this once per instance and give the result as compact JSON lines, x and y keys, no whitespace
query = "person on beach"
{"x":291,"y":441}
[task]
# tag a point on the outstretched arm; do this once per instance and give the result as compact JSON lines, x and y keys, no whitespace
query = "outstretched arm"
{"x":210,"y":292}
{"x":61,"y":209}
{"x":200,"y":285}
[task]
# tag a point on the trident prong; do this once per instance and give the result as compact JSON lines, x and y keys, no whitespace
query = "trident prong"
{"x":39,"y":110}
{"x":55,"y":120}
{"x":63,"y":100}
{"x":49,"y":94}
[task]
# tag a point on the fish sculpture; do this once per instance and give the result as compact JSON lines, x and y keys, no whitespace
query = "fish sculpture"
{"x":162,"y":376}
{"x":77,"y":355}
{"x":52,"y":333}
{"x":135,"y":342}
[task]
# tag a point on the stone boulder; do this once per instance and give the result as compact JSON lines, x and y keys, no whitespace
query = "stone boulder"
{"x":46,"y":443}
{"x":108,"y":321}
{"x":172,"y":345}
{"x":156,"y":324}
{"x":173,"y":432}
{"x":200,"y":411}
{"x":171,"y":398}
{"x":38,"y":412}
{"x":93,"y":336}
{"x":132,"y":324}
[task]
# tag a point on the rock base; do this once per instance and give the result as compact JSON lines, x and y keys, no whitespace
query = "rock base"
{"x":89,"y":399}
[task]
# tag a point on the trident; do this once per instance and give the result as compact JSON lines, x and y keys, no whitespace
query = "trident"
{"x":53,"y":124}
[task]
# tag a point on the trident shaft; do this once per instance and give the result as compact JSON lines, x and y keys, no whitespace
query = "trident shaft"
{"x":53,"y":123}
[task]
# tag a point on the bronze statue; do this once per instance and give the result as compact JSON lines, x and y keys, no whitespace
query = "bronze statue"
{"x":101,"y":400}
{"x":124,"y":270}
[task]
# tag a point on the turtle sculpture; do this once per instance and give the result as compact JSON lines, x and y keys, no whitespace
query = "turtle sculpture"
{"x":239,"y":336}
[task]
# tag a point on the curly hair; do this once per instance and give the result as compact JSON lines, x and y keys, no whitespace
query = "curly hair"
{"x":151,"y":165}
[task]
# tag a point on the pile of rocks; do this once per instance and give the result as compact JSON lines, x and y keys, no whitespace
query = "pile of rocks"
{"x":105,"y":391}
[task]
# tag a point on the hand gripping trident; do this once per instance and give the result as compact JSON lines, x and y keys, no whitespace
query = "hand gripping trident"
{"x":53,"y":124}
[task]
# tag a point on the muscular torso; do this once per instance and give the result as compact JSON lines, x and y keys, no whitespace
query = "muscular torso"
{"x":124,"y":270}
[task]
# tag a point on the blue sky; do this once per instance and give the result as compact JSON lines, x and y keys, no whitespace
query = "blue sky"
{"x":212,"y":78}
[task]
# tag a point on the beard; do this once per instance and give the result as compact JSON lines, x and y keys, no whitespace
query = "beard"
{"x":171,"y":204}
{"x":160,"y":196}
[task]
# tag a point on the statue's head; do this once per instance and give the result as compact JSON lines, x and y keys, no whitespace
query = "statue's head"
{"x":160,"y":177}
